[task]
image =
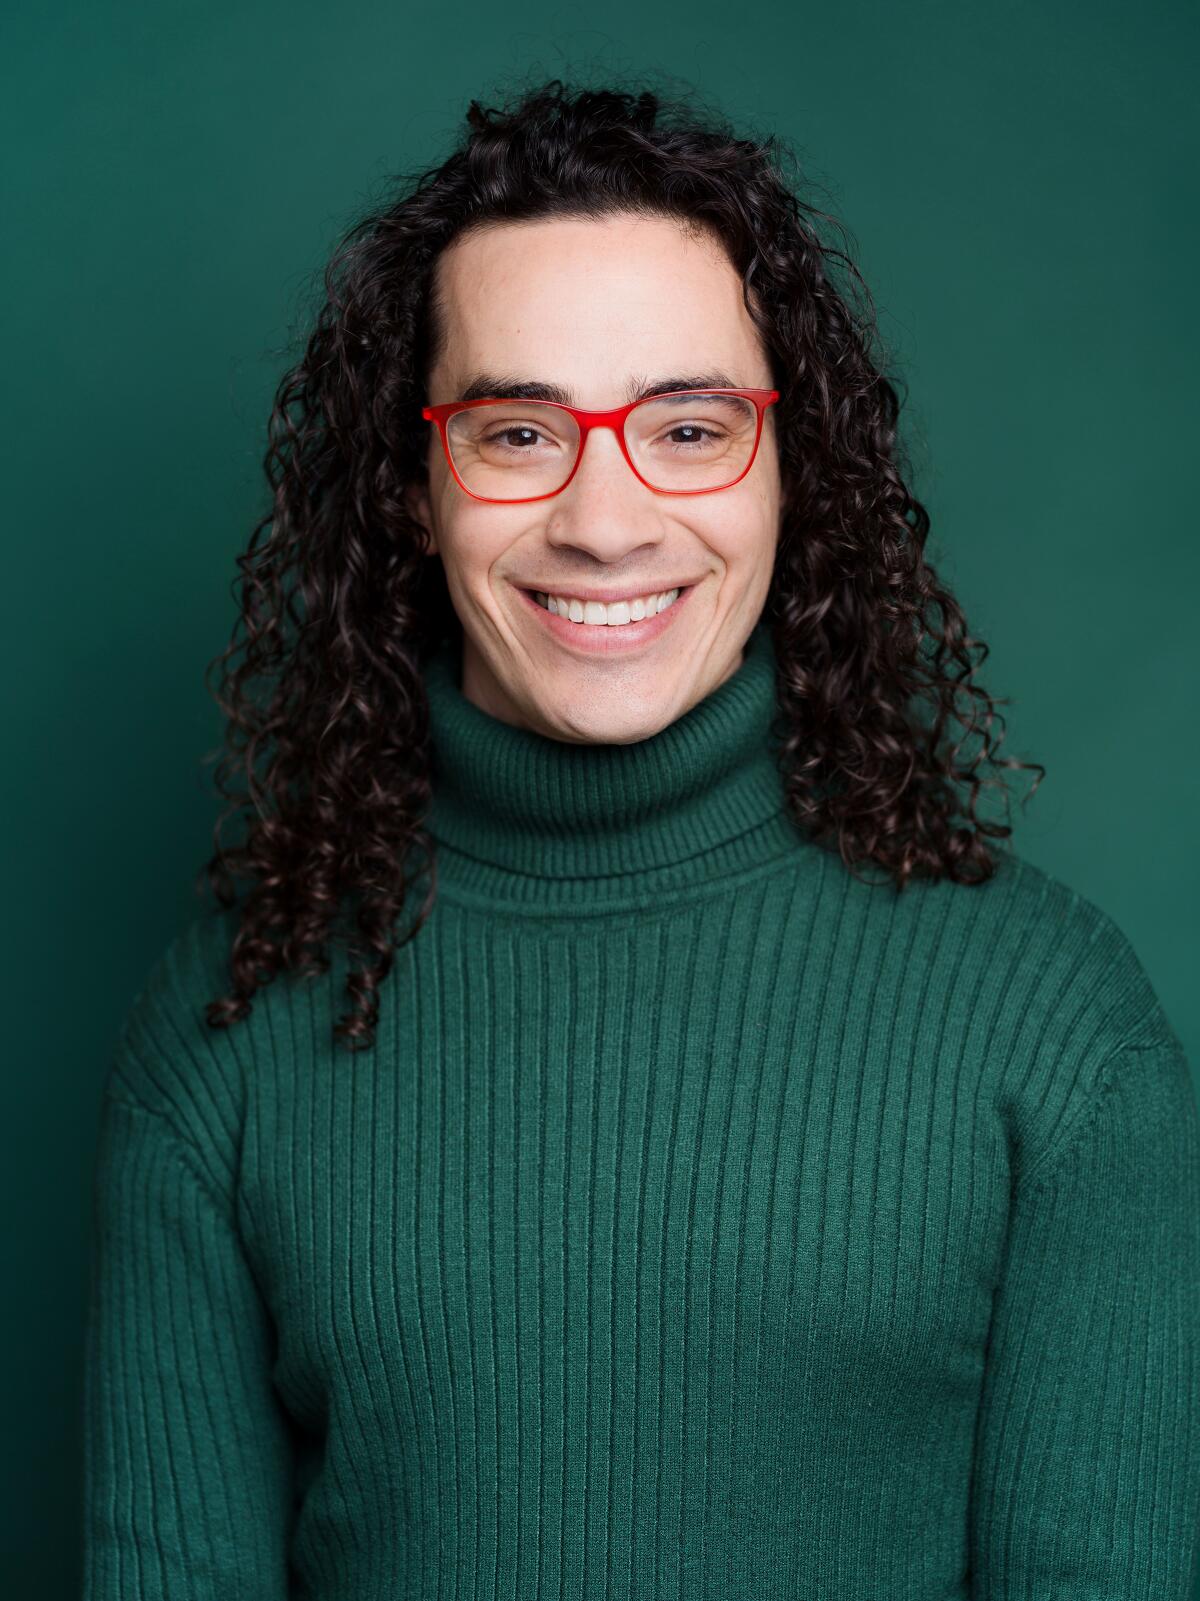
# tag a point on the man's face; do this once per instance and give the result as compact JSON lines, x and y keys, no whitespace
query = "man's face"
{"x":598,"y":306}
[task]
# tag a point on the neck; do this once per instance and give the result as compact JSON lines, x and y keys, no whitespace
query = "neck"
{"x":518,"y":816}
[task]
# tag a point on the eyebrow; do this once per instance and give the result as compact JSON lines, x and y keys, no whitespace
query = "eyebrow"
{"x":486,"y":385}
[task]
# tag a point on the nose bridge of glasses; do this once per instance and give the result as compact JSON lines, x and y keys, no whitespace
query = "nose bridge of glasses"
{"x":611,"y":423}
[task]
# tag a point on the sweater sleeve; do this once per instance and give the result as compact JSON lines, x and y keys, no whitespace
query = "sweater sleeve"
{"x":187,"y":1474}
{"x":1086,"y":1483}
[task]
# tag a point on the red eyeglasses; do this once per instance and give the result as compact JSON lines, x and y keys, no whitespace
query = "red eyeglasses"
{"x":519,"y":450}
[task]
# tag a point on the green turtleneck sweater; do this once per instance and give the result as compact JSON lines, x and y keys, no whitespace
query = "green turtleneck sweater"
{"x":705,"y":1223}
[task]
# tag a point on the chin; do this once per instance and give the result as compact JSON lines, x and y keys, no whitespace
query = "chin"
{"x":579,"y":720}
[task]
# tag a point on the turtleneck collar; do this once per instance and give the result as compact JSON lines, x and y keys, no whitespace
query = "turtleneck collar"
{"x":517,"y":816}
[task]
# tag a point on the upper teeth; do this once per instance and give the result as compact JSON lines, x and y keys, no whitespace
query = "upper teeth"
{"x":595,"y":611}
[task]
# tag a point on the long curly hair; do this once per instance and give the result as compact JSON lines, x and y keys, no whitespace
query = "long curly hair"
{"x":341,"y":604}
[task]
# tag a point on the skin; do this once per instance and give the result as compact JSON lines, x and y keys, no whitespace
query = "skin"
{"x":593,"y":305}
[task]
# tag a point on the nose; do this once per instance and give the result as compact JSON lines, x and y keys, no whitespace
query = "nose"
{"x":605,"y":509}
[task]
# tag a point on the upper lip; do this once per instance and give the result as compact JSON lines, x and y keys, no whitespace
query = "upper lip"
{"x":609,"y":596}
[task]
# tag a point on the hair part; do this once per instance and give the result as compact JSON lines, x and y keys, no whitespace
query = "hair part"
{"x":889,"y":743}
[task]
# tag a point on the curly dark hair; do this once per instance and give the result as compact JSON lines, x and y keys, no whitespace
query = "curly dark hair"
{"x":342,"y":606}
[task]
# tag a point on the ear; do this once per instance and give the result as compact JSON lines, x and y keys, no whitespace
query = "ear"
{"x":416,"y":500}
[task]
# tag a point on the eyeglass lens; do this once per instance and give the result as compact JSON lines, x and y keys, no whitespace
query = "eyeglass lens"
{"x":510,"y":450}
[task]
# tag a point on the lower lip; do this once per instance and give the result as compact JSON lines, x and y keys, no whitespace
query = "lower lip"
{"x":608,"y":639}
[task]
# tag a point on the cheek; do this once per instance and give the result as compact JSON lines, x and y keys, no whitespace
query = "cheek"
{"x":740,"y":535}
{"x":471,"y":544}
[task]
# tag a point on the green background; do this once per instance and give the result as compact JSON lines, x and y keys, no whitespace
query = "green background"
{"x":1020,"y":184}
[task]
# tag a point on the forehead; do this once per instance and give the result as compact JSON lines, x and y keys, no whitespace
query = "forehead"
{"x":587,"y":302}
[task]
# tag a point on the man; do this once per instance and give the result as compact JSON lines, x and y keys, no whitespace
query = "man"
{"x":695,"y":1218}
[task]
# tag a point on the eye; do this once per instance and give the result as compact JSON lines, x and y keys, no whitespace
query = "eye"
{"x":700,"y":438}
{"x":516,"y":437}
{"x":509,"y":434}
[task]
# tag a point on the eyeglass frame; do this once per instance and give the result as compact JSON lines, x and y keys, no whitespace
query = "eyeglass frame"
{"x":440,"y":414}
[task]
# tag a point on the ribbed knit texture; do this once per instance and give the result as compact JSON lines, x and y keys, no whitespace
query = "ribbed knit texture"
{"x":705,"y":1224}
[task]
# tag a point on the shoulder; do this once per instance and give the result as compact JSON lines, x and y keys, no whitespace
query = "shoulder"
{"x":168,"y":1062}
{"x":1027,"y":992}
{"x":1065,"y":1004}
{"x":1047,"y":968}
{"x":1082,"y":980}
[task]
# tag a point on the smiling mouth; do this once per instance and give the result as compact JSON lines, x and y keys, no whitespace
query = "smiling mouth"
{"x":616,"y":614}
